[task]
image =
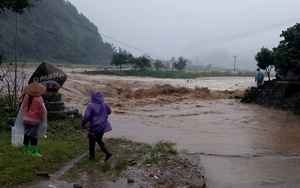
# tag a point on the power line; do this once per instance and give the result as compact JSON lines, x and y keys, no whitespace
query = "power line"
{"x":96,"y":32}
{"x":36,"y":27}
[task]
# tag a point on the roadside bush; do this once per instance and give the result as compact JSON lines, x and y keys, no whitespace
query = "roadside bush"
{"x":250,"y":95}
{"x":13,"y":81}
{"x":5,"y":116}
{"x":290,"y":89}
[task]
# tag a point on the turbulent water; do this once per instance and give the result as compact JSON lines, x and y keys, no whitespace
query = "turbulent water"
{"x":240,"y":145}
{"x":219,"y":127}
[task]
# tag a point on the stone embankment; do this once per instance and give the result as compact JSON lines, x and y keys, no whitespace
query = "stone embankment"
{"x":283,"y":95}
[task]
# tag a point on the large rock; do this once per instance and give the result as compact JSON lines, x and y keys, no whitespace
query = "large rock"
{"x":49,"y":75}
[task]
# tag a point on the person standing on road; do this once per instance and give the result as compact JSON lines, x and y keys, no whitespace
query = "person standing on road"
{"x":32,"y":118}
{"x":96,"y":114}
{"x":259,"y":78}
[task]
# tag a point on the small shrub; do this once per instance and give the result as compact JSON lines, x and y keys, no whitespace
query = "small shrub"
{"x":105,"y":166}
{"x":290,"y":89}
{"x":160,"y":152}
{"x":250,"y":95}
{"x":120,"y":163}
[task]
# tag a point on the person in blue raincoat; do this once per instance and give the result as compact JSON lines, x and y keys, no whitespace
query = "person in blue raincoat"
{"x":259,"y":77}
{"x":96,"y":114}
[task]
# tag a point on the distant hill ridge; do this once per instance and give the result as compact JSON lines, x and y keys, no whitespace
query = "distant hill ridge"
{"x":54,"y":31}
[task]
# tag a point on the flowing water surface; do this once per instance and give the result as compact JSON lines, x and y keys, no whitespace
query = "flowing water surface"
{"x":240,"y":145}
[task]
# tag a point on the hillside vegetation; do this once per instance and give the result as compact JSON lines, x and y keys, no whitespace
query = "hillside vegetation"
{"x":54,"y":31}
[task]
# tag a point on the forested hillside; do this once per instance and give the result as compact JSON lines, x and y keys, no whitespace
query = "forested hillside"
{"x":56,"y":32}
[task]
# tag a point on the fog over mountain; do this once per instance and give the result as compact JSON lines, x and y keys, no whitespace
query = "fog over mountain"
{"x":219,"y":51}
{"x":210,"y":32}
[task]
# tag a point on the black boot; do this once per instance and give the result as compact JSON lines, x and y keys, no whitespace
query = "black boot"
{"x":92,"y":153}
{"x":107,"y":153}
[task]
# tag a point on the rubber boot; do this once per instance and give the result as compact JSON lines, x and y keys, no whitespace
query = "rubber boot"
{"x":107,"y":153}
{"x":26,"y":149}
{"x":92,"y":153}
{"x":34,"y":151}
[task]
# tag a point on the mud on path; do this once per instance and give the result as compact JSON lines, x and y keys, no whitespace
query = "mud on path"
{"x":180,"y":171}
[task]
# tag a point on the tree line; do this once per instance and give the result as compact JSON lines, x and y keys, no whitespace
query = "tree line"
{"x":285,"y":57}
{"x":144,"y":62}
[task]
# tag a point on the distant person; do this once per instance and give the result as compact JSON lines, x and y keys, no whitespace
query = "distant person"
{"x":96,"y":114}
{"x":259,"y":78}
{"x":32,"y":118}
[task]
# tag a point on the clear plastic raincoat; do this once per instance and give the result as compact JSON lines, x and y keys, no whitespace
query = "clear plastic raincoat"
{"x":37,"y":115}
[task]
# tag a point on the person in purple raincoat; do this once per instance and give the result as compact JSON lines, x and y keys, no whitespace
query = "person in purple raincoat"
{"x":96,"y":114}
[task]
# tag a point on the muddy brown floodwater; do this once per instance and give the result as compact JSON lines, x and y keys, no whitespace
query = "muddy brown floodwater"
{"x":240,"y":145}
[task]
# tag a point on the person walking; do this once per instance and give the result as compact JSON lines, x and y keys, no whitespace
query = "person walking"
{"x":259,"y":78}
{"x":32,"y":118}
{"x":96,"y":114}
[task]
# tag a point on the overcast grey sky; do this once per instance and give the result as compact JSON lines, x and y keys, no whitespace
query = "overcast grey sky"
{"x":210,"y":31}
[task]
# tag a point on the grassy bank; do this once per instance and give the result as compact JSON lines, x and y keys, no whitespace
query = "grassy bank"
{"x":169,"y":73}
{"x":64,"y":143}
{"x":61,"y":145}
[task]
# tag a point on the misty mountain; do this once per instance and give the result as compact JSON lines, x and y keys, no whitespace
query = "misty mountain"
{"x":219,"y":50}
{"x":54,"y":31}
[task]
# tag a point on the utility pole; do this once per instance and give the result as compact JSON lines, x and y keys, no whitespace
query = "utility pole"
{"x":234,"y":57}
{"x":16,"y":56}
{"x":196,"y":65}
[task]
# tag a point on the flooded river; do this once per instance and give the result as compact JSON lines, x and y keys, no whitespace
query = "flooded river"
{"x":239,"y":145}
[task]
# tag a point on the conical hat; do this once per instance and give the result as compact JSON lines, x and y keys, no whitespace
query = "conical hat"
{"x":35,"y":89}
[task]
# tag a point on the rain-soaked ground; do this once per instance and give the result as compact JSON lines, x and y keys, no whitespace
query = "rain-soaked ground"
{"x":240,"y":145}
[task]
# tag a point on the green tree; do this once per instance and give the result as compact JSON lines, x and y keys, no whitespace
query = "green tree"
{"x":180,"y":64}
{"x":287,"y":53}
{"x":265,"y":60}
{"x":120,"y":59}
{"x":17,"y":6}
{"x":141,"y":63}
{"x":158,"y":65}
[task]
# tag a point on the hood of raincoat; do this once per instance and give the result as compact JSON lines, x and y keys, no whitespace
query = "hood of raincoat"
{"x":97,"y":113}
{"x":97,"y":97}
